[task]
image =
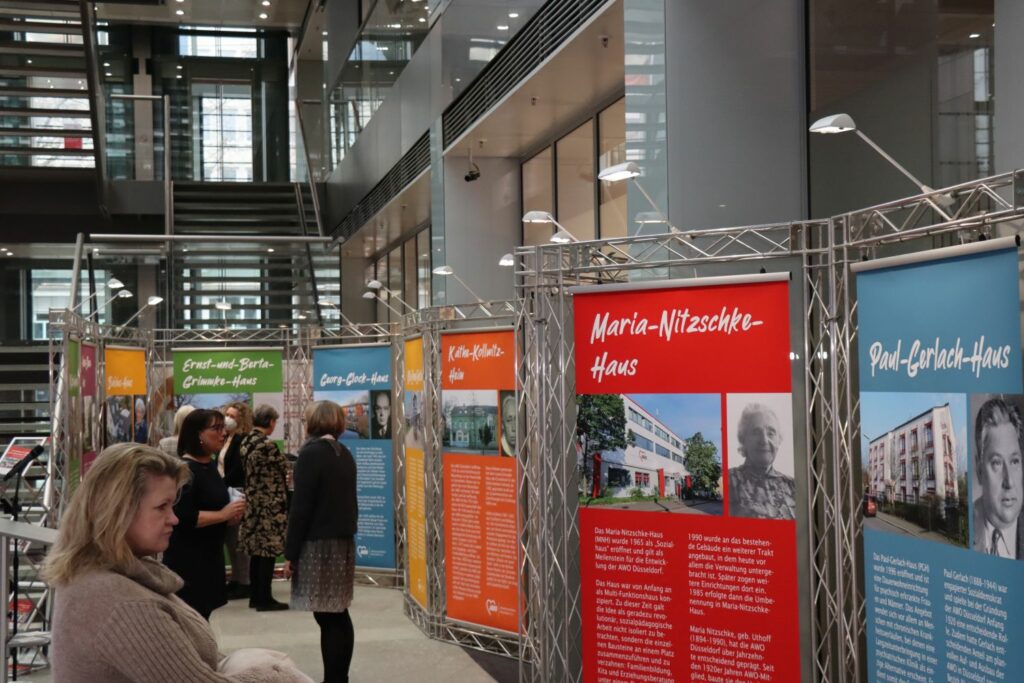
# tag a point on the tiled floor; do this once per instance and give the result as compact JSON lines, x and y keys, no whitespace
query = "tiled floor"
{"x":388,"y":646}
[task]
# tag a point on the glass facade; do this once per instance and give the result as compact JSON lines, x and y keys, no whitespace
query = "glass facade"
{"x":405,"y":270}
{"x":917,"y":78}
{"x":562,"y":180}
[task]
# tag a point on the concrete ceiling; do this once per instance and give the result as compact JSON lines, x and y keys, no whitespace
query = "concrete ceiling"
{"x":586,"y":73}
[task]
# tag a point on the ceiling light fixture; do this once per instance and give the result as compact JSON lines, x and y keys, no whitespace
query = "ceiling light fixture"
{"x":843,"y":123}
{"x":179,"y":67}
{"x":265,"y":3}
{"x":108,"y":74}
{"x":270,"y":250}
{"x":180,"y":12}
{"x":28,"y":61}
{"x":263,"y":15}
{"x":974,"y":35}
{"x":106,"y":63}
{"x":423,"y":20}
{"x":502,"y":27}
{"x":513,"y":15}
{"x":449,"y":271}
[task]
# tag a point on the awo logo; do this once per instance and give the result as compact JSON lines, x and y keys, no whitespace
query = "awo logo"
{"x":491,"y":606}
{"x":362,"y":551}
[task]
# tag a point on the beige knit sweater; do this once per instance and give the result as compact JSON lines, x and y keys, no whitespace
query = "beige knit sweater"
{"x":131,"y":628}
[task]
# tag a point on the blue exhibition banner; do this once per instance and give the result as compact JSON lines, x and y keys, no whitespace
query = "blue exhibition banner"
{"x":940,"y":416}
{"x":949,"y":325}
{"x":358,"y":378}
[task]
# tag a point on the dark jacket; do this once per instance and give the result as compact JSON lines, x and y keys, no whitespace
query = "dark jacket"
{"x":324,"y":503}
{"x":234,"y":466}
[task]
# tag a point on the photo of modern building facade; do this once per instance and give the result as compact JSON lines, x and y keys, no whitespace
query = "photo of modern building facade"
{"x":915,"y":459}
{"x":655,"y":455}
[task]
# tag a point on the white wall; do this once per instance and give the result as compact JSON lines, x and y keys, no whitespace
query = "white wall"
{"x":482,"y":221}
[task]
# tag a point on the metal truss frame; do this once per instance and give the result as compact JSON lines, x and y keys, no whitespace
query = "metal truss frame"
{"x":546,"y":379}
{"x":429,"y":324}
{"x":975,"y":210}
{"x":300,"y":378}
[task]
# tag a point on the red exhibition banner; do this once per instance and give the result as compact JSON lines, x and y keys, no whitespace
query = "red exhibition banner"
{"x":481,"y":521}
{"x":688,"y":546}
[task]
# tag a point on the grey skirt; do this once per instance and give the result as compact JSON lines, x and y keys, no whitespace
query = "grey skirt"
{"x":322,"y":582}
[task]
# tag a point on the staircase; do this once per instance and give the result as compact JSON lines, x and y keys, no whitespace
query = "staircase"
{"x":268,"y":283}
{"x":45,"y":120}
{"x":24,"y":392}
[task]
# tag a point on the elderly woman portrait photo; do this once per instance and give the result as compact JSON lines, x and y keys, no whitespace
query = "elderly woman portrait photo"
{"x":761,"y":480}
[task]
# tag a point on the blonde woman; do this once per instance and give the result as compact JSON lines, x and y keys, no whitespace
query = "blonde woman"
{"x":231,"y":463}
{"x":169,"y":444}
{"x":116,"y":616}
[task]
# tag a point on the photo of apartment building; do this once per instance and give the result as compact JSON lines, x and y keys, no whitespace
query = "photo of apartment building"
{"x":915,"y":459}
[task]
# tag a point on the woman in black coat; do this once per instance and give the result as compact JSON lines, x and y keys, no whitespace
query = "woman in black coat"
{"x":320,"y":544}
{"x":204,"y":512}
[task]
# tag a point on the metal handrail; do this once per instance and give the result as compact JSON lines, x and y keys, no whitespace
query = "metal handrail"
{"x":314,"y":179}
{"x":97,"y":103}
{"x":18,"y":531}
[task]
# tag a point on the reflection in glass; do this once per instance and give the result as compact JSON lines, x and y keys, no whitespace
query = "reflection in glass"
{"x":612,"y":148}
{"x":423,"y":268}
{"x":538,"y":195}
{"x":388,"y":40}
{"x":574,"y":155}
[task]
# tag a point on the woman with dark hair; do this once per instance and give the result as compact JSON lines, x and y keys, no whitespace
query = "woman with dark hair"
{"x":261,"y":534}
{"x":320,"y":549}
{"x":204,"y":511}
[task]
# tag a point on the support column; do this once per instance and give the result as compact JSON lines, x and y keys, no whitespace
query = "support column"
{"x":142,"y":84}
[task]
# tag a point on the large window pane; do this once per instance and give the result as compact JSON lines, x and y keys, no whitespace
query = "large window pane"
{"x":538,"y":195}
{"x":52,"y":289}
{"x":612,"y":147}
{"x":395,"y":276}
{"x":574,"y":156}
{"x":410,"y":274}
{"x":423,"y":268}
{"x":382,"y":275}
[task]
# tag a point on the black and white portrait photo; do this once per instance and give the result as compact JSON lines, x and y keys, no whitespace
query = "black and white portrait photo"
{"x":760,"y":456}
{"x":998,"y":484}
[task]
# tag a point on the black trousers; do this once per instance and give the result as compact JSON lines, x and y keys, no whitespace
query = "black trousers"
{"x":337,"y":639}
{"x":261,"y":574}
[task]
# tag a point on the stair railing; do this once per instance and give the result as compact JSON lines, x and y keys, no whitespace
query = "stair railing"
{"x":314,"y":179}
{"x":97,"y":102}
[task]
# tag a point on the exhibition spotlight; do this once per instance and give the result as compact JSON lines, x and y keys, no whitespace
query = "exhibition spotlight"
{"x":843,"y":123}
{"x":373,"y":294}
{"x":121,"y":294}
{"x":506,"y":261}
{"x":150,"y":302}
{"x":112,"y":283}
{"x":561,"y":236}
{"x":378,"y":285}
{"x":630,"y":170}
{"x":327,"y":303}
{"x":448,"y":270}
